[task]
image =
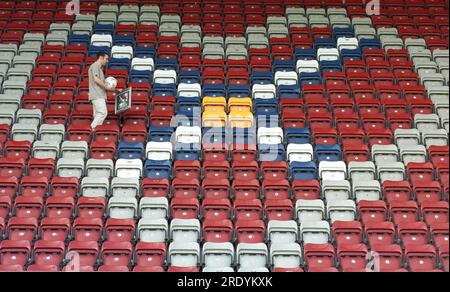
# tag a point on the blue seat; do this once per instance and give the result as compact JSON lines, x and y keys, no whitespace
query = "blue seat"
{"x":288,"y":91}
{"x":328,"y":43}
{"x":167,"y":64}
{"x":243,"y":90}
{"x":188,"y":119}
{"x":160,"y":134}
{"x":266,"y":106}
{"x":123,"y":40}
{"x":297,"y":135}
{"x":353,"y":55}
{"x":330,"y":66}
{"x":310,"y":78}
{"x":369,"y":44}
{"x":190,"y":77}
{"x":243,"y":136}
{"x":303,"y":170}
{"x":144,"y":52}
{"x":283,"y":65}
{"x":214,"y":90}
{"x":94,"y":50}
{"x":119,"y":64}
{"x":339,"y":32}
{"x":214,"y":135}
{"x":261,"y":77}
{"x":138,"y":76}
{"x":79,"y":40}
{"x":328,"y":153}
{"x":305,"y":54}
{"x":164,"y":89}
{"x":187,"y":151}
{"x":131,"y":150}
{"x":271,"y":152}
{"x":104,"y":29}
{"x":267,"y":120}
{"x":158,"y":169}
{"x":189,"y":104}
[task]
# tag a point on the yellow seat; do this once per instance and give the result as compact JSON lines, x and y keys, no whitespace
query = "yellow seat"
{"x":214,"y":104}
{"x":214,"y":118}
{"x":242,"y":119}
{"x":240,"y":104}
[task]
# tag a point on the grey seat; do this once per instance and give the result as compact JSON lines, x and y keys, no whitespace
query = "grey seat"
{"x":366,"y":190}
{"x":7,"y":116}
{"x":153,"y":230}
{"x":336,"y":190}
{"x":29,"y":116}
{"x":184,"y":254}
{"x":286,"y":255}
{"x":185,"y":230}
{"x":56,"y":39}
{"x":82,"y":28}
{"x":107,"y":18}
{"x":14,"y":87}
{"x":435,"y":137}
{"x":392,"y":43}
{"x":407,"y":137}
{"x":391,"y":171}
{"x":59,"y":28}
{"x":384,"y":153}
{"x":95,"y":187}
{"x":282,"y":231}
{"x":365,"y":33}
{"x":252,"y":255}
{"x":46,"y":149}
{"x":52,"y":132}
{"x":125,"y":187}
{"x":341,"y":211}
{"x":315,"y":232}
{"x":10,"y":102}
{"x":154,"y":208}
{"x":70,"y":167}
{"x":24,"y":132}
{"x":416,"y":154}
{"x":415,"y":43}
{"x":18,"y":74}
{"x":99,"y":168}
{"x":362,"y":171}
{"x":32,"y":50}
{"x":425,"y":122}
{"x":74,"y":149}
{"x":218,"y":255}
{"x":309,"y":210}
{"x":128,"y":18}
{"x":122,"y":208}
{"x":8,"y":50}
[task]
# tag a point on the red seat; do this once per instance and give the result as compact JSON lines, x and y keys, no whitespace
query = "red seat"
{"x":390,"y":256}
{"x":320,"y":256}
{"x":113,"y":269}
{"x":245,"y":189}
{"x":215,"y":188}
{"x":185,"y":169}
{"x":214,"y":152}
{"x":373,"y":121}
{"x":8,"y":187}
{"x":155,"y":187}
{"x":250,"y":231}
{"x":87,"y":229}
{"x":443,"y":172}
{"x":22,"y":228}
{"x":279,"y":209}
{"x":420,"y":172}
{"x":60,"y":207}
{"x":245,"y":152}
{"x":420,"y":106}
{"x":150,"y":254}
{"x":439,"y":233}
{"x":434,"y":212}
{"x":216,"y":209}
{"x":438,"y":154}
{"x":306,"y":189}
{"x":55,"y":229}
{"x":102,"y":150}
{"x":274,"y":169}
{"x":325,"y":136}
{"x":41,"y":167}
{"x":116,"y":253}
{"x":34,"y":186}
{"x":444,"y":257}
{"x":421,"y":257}
{"x":427,"y":191}
{"x":5,"y":206}
{"x":316,"y":105}
{"x":187,"y":188}
{"x":86,"y":252}
{"x":28,"y":207}
{"x":134,"y":133}
{"x":15,"y":252}
{"x":404,"y":211}
{"x":276,"y":189}
{"x":119,"y":230}
{"x":292,"y":119}
{"x":347,"y":233}
{"x":245,"y":169}
{"x":216,"y":170}
{"x":352,"y":256}
{"x":185,"y":208}
{"x":356,"y":152}
{"x":320,"y":120}
{"x":77,"y":132}
{"x":144,"y":269}
{"x":11,"y":268}
{"x":413,"y":233}
{"x":65,"y":186}
{"x":352,"y":136}
{"x":368,"y":105}
{"x":248,"y":209}
{"x":12,"y":167}
{"x":173,"y":269}
{"x":379,"y":136}
{"x":399,"y":121}
{"x":48,"y":252}
{"x":380,"y":233}
{"x":217,"y":230}
{"x":396,"y":191}
{"x":372,"y":211}
{"x":91,"y":207}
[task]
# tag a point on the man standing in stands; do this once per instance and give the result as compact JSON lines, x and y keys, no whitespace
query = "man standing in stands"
{"x":98,"y":89}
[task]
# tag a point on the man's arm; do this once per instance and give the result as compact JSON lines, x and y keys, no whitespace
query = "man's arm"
{"x":102,"y":84}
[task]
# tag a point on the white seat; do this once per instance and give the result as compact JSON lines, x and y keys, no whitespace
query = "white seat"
{"x":424,"y":122}
{"x":218,"y":255}
{"x":125,"y":187}
{"x":29,"y":116}
{"x":252,"y":255}
{"x":184,"y":254}
{"x":347,"y":43}
{"x":122,"y":207}
{"x":307,"y":66}
{"x":153,"y":230}
{"x":52,"y":132}
{"x":286,"y":78}
{"x":143,"y":64}
{"x":309,"y":210}
{"x":362,"y":170}
{"x":300,"y":152}
{"x":95,"y":187}
{"x":384,"y":153}
{"x":327,"y":54}
{"x":189,"y":90}
{"x":286,"y":255}
{"x":165,"y":77}
{"x":10,"y":101}
{"x":416,"y":154}
{"x":333,"y":190}
{"x":282,"y":231}
{"x":264,"y":91}
{"x":218,"y":270}
{"x":367,"y":190}
{"x":341,"y":211}
{"x":407,"y":137}
{"x":332,"y":170}
{"x":101,"y":40}
{"x":315,"y":232}
{"x":188,"y":135}
{"x":70,"y":167}
{"x":154,"y":208}
{"x":74,"y":149}
{"x":100,"y":168}
{"x":270,"y":135}
{"x":159,"y":151}
{"x":24,"y":132}
{"x":185,"y":230}
{"x":122,"y":52}
{"x":7,"y":116}
{"x":253,"y":270}
{"x":128,"y":168}
{"x":394,"y":171}
{"x":437,"y":137}
{"x":45,"y":149}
